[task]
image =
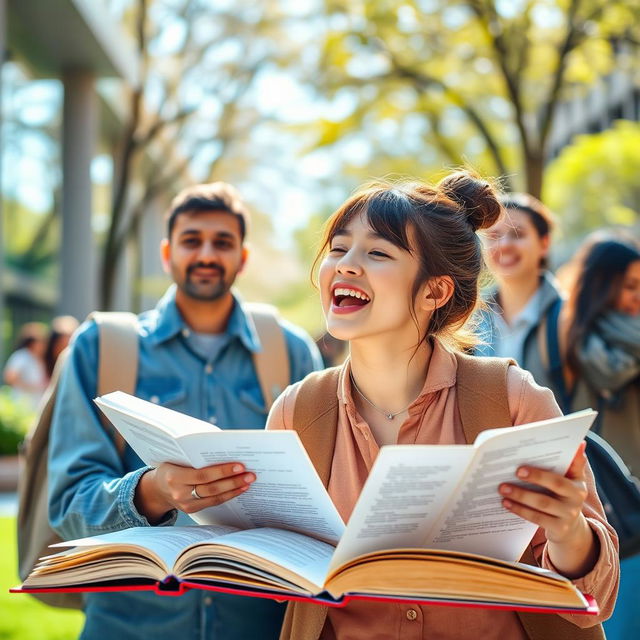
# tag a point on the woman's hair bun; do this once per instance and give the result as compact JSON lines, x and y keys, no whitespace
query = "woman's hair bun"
{"x":477,"y":197}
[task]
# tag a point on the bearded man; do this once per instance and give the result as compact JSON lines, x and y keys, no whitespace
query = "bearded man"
{"x":195,"y":356}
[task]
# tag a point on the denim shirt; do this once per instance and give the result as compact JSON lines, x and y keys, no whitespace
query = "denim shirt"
{"x":92,"y":487}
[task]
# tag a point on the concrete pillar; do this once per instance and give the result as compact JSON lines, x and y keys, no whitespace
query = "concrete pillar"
{"x":3,"y":48}
{"x":78,"y":282}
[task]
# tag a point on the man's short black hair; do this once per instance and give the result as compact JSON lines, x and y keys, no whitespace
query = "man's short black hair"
{"x":215,"y":196}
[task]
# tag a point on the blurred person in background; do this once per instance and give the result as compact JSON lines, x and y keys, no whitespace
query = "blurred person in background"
{"x":195,"y":356}
{"x":25,"y":371}
{"x":526,"y":293}
{"x":62,"y":328}
{"x":601,"y":329}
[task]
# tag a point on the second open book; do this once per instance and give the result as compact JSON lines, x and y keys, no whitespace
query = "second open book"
{"x":429,"y":522}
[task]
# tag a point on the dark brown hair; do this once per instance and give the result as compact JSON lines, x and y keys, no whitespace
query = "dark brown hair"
{"x":602,"y":264}
{"x":215,"y":196}
{"x":61,"y":327}
{"x":30,"y":333}
{"x":444,"y":220}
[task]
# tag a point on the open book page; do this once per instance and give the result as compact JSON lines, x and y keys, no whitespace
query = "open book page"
{"x":402,"y":498}
{"x":446,"y":497}
{"x":475,"y":520}
{"x":182,"y":550}
{"x":165,"y":544}
{"x":287,"y":493}
{"x":153,"y":432}
{"x":299,"y":554}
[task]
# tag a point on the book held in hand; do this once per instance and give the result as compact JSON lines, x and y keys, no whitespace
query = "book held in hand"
{"x":428,"y":526}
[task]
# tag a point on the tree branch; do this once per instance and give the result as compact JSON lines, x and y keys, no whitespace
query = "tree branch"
{"x":490,"y":22}
{"x":160,"y":124}
{"x":424,"y":82}
{"x":569,"y":43}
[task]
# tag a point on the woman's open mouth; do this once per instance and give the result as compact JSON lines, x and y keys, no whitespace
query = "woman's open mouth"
{"x":347,"y":299}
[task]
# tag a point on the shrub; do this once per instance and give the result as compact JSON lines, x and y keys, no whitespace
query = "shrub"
{"x":15,"y":419}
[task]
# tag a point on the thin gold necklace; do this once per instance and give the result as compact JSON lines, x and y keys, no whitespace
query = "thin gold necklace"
{"x":388,"y":415}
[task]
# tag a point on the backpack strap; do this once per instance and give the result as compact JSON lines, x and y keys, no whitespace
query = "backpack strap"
{"x":117,"y":358}
{"x":483,"y":401}
{"x":315,"y":418}
{"x":272,"y":360}
{"x":118,"y":364}
{"x":481,"y":385}
{"x":550,"y":354}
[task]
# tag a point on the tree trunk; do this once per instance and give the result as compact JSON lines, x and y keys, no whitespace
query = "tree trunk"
{"x":534,"y":171}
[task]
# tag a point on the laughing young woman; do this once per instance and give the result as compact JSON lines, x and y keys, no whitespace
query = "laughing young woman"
{"x":398,"y":279}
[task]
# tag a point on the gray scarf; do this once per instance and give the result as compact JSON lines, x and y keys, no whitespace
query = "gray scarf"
{"x":610,"y":355}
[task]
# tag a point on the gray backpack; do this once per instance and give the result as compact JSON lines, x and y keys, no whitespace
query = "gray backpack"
{"x":118,"y":370}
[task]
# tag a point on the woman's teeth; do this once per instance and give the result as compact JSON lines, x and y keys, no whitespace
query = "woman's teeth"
{"x":342,"y":295}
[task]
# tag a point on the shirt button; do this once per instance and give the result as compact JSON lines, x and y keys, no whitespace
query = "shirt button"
{"x":208,"y":600}
{"x":208,"y":369}
{"x":186,"y":333}
{"x":412,"y":614}
{"x":154,"y":399}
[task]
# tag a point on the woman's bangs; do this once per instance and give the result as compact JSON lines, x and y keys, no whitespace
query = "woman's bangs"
{"x":388,"y":213}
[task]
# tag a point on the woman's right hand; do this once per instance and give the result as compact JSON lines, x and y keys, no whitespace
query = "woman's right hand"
{"x":170,"y":486}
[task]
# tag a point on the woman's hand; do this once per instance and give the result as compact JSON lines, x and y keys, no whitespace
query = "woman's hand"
{"x":170,"y":486}
{"x":572,"y":546}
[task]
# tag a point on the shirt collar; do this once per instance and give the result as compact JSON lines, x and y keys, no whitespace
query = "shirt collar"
{"x":169,"y":322}
{"x":441,"y":374}
{"x":531,"y":312}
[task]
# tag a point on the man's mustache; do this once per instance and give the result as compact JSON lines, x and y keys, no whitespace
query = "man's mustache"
{"x":204,"y":265}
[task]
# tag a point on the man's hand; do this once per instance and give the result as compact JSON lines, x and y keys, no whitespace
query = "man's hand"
{"x":170,"y":486}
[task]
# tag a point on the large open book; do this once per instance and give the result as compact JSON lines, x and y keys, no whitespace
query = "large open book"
{"x":428,"y":525}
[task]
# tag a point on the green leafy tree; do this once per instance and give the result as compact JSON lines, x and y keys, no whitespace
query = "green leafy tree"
{"x":594,"y":182}
{"x":31,"y":240}
{"x":477,"y":81}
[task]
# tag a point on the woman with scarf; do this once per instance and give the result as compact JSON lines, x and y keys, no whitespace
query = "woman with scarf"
{"x":601,"y":325}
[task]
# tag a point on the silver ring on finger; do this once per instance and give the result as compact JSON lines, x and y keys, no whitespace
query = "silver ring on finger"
{"x":194,"y":493}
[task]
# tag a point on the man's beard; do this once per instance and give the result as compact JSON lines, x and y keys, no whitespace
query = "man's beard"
{"x":209,"y":291}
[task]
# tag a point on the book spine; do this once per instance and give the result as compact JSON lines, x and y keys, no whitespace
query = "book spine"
{"x":170,"y":586}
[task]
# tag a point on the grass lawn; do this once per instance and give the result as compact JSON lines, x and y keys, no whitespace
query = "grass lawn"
{"x":22,"y":617}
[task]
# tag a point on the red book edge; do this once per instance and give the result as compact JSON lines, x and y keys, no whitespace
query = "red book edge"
{"x":174,"y":587}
